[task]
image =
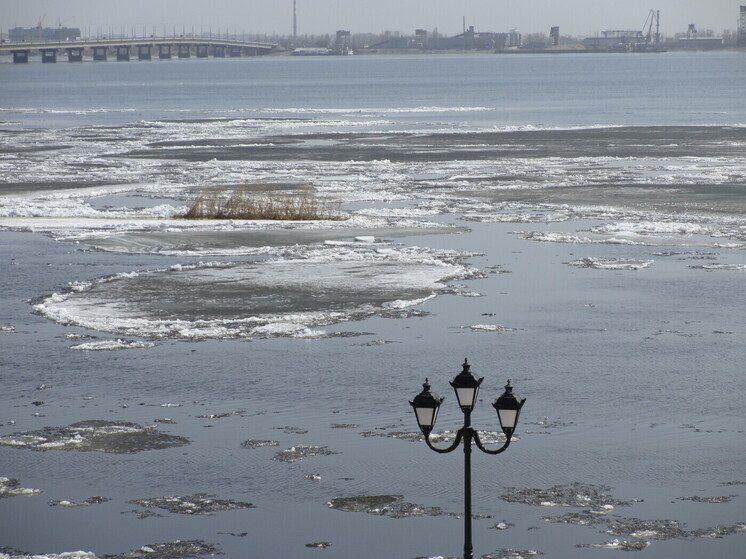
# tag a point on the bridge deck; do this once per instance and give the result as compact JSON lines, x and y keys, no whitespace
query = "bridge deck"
{"x":7,"y":48}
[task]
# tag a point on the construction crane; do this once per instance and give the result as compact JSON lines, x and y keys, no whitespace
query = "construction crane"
{"x":653,"y":17}
{"x":40,"y":28}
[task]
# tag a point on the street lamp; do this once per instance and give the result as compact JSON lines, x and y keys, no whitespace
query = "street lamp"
{"x":466,"y":385}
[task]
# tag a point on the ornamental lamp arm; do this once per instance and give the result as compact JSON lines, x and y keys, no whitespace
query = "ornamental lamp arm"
{"x":486,"y":450}
{"x":454,"y":445}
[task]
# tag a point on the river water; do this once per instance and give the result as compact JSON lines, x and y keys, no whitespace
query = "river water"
{"x":573,"y":223}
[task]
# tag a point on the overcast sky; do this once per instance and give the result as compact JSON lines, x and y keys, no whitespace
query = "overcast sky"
{"x":575,"y":17}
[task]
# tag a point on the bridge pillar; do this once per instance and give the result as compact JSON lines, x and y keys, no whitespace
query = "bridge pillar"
{"x":143,"y":52}
{"x":74,"y":54}
{"x":234,"y":52}
{"x":201,"y":51}
{"x":99,"y":53}
{"x":218,"y":51}
{"x":184,"y":51}
{"x":123,"y":52}
{"x":20,"y":56}
{"x":164,"y":51}
{"x":48,"y":55}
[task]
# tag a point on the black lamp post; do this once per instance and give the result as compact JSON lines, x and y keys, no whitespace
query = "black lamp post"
{"x":466,"y":386}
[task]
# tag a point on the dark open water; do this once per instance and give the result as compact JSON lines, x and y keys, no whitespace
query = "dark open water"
{"x":575,"y":224}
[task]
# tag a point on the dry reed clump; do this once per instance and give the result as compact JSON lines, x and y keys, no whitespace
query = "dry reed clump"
{"x":281,"y":206}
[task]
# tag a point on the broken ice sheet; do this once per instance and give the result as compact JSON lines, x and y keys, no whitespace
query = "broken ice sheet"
{"x":698,"y":499}
{"x":11,"y":487}
{"x":12,"y":554}
{"x":299,"y":452}
{"x":199,"y":503}
{"x":392,"y":506}
{"x":88,"y":502}
{"x":611,"y":263}
{"x":569,"y":495}
{"x":512,"y":554}
{"x":384,"y":505}
{"x":112,"y":345}
{"x":280,"y":297}
{"x":122,"y":437}
{"x":171,"y":550}
{"x":293,"y":430}
{"x":254,"y":443}
{"x":487,"y":328}
{"x":621,"y":545}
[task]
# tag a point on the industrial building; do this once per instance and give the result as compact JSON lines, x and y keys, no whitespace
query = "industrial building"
{"x":38,"y":33}
{"x":692,"y":41}
{"x":646,"y":40}
{"x":468,"y":40}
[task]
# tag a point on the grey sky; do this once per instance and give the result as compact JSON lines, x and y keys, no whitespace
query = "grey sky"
{"x":575,"y":17}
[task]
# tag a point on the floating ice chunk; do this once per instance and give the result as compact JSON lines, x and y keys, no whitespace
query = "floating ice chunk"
{"x":95,"y":435}
{"x":719,"y":267}
{"x":611,"y":263}
{"x":623,"y":545}
{"x":12,"y":487}
{"x":654,"y":228}
{"x":290,"y":296}
{"x":112,"y":345}
{"x":199,"y":503}
{"x":489,"y":328}
{"x":299,"y":452}
{"x":645,"y":534}
{"x":65,"y":555}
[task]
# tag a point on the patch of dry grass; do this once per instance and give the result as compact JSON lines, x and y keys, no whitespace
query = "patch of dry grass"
{"x":243,"y":203}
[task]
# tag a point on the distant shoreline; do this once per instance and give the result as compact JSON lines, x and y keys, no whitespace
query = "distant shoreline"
{"x":396,"y":52}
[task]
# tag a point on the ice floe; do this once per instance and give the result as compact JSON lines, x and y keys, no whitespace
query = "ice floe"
{"x":198,"y":504}
{"x":647,"y":233}
{"x":713,"y":267}
{"x":569,"y":495}
{"x":513,"y":554}
{"x":11,"y":487}
{"x":621,"y":545}
{"x":299,"y":452}
{"x":698,"y":499}
{"x":95,"y":435}
{"x":291,"y":296}
{"x":64,"y":555}
{"x":253,"y":443}
{"x":109,"y":345}
{"x":393,"y":506}
{"x":72,"y":504}
{"x":488,"y":328}
{"x":611,"y":263}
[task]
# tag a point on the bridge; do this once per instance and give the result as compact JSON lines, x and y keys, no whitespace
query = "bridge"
{"x":144,"y":48}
